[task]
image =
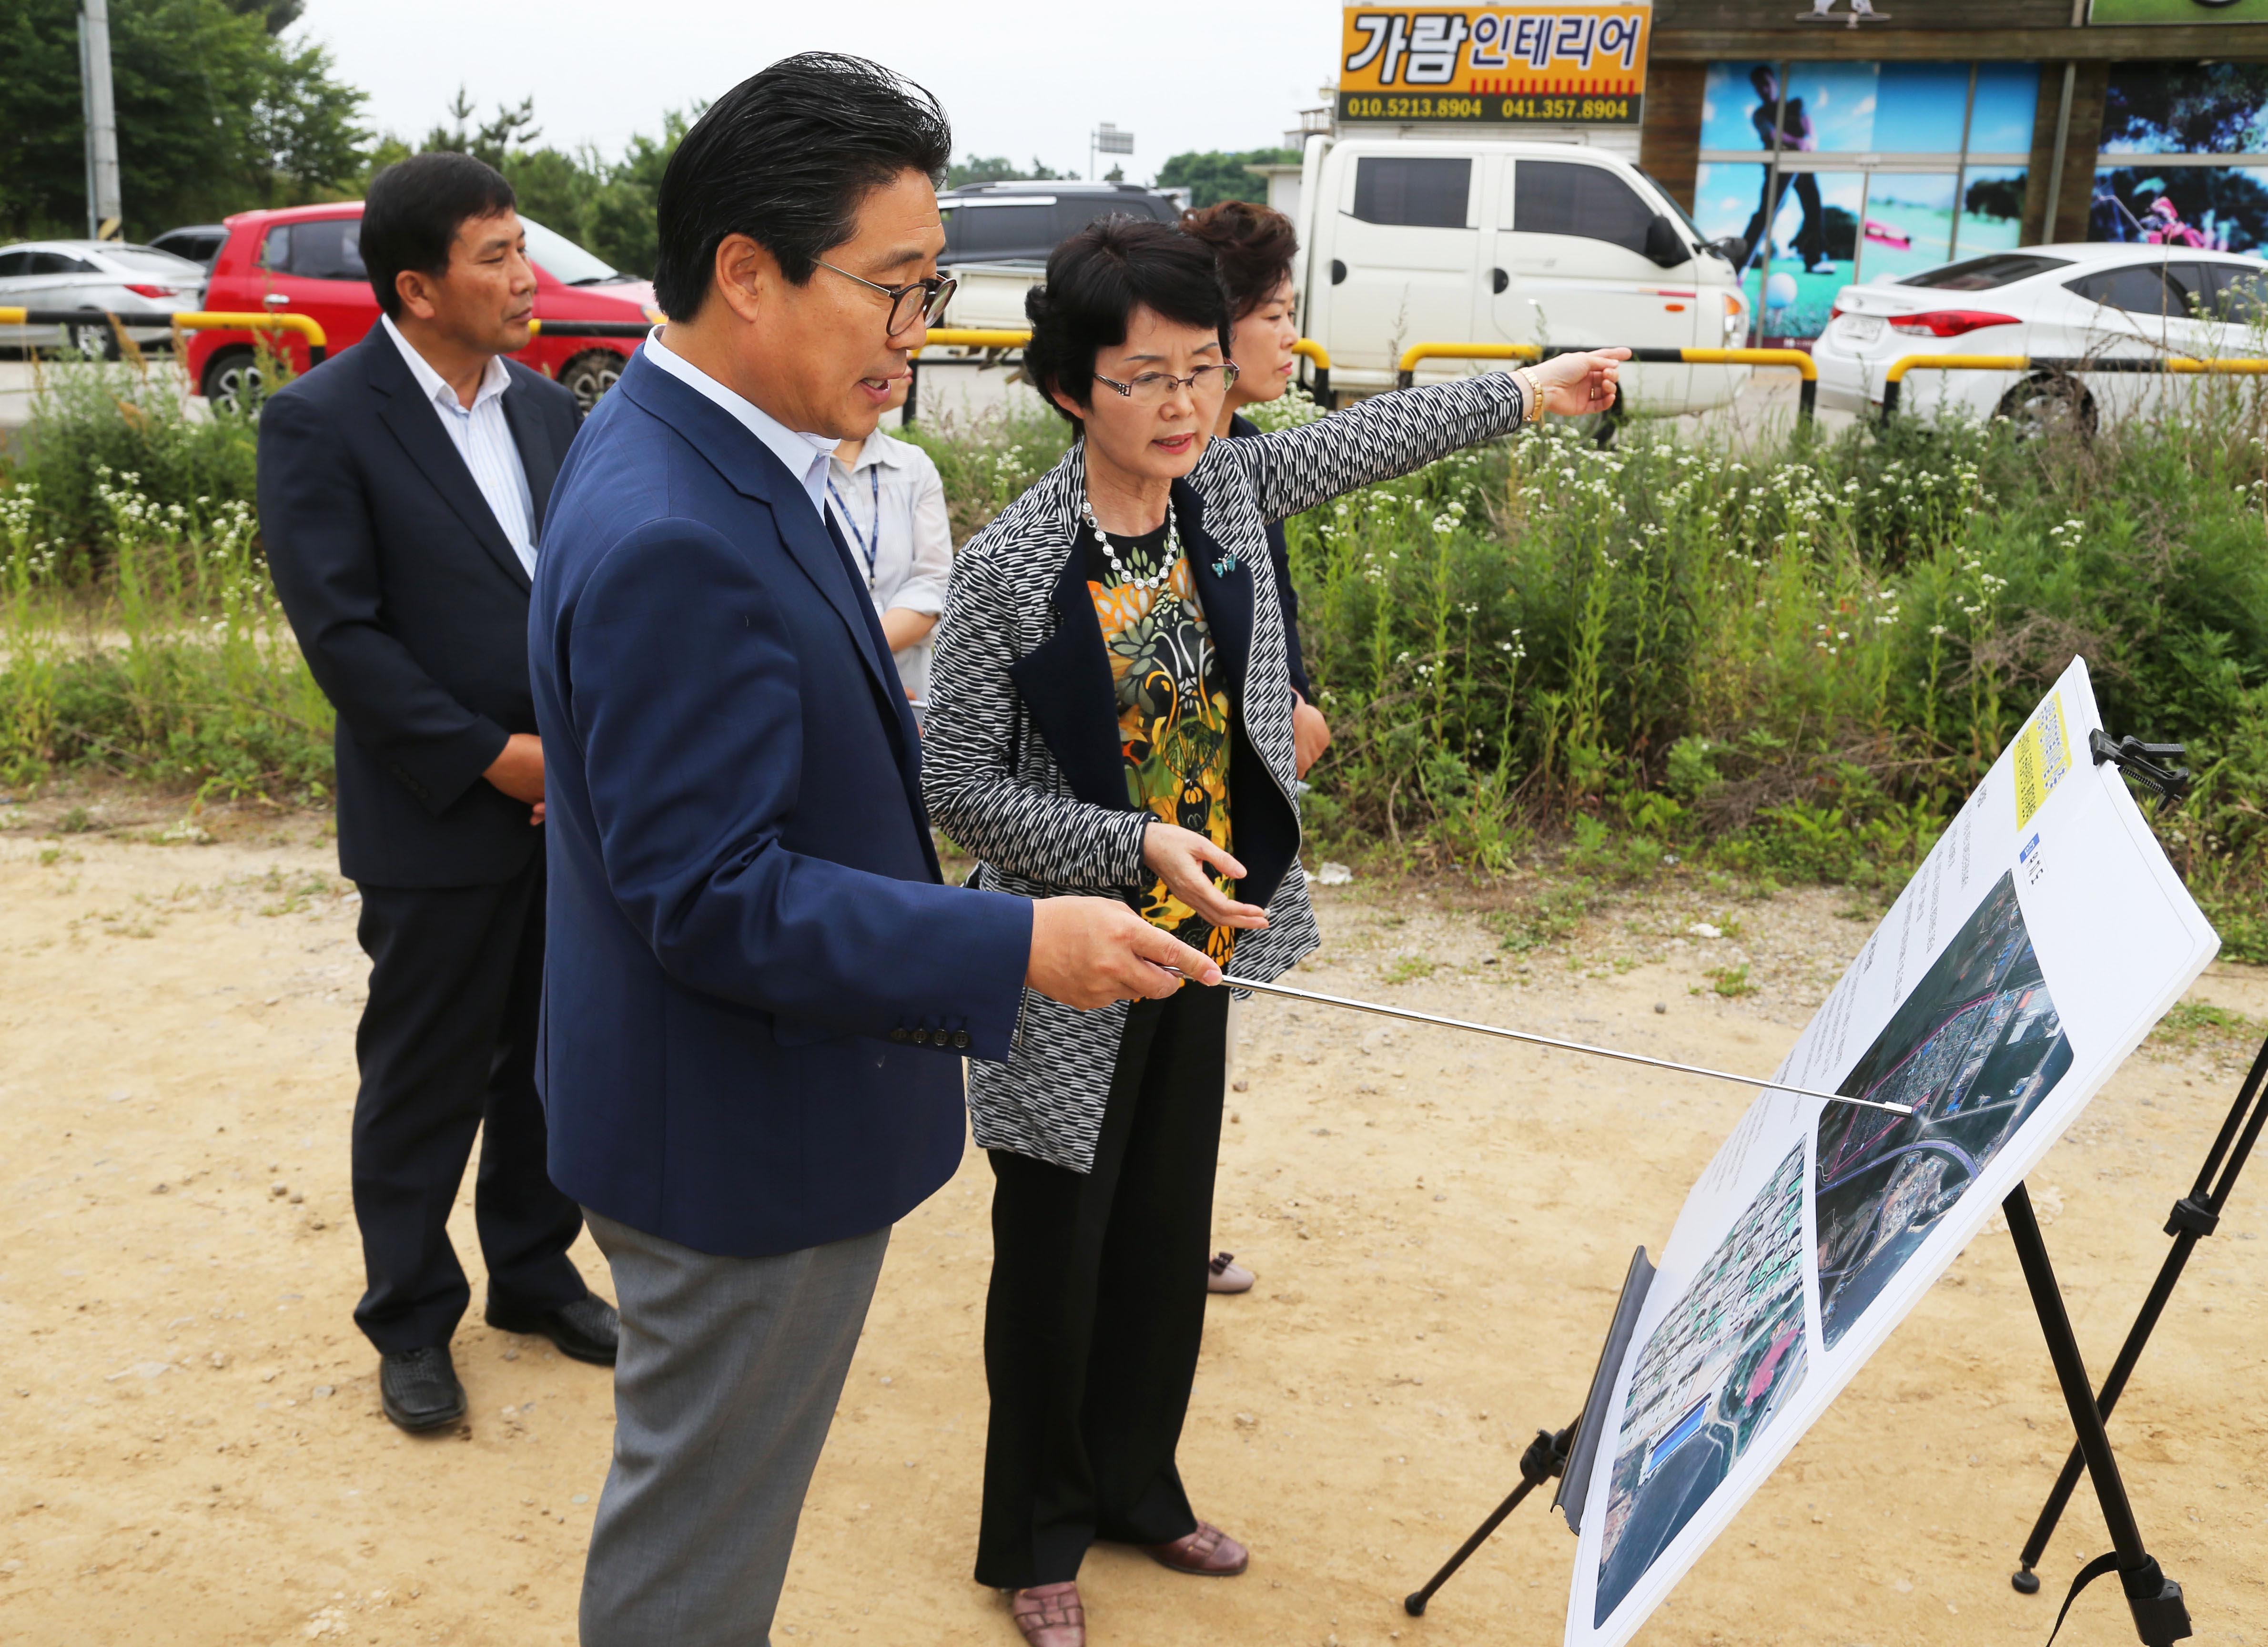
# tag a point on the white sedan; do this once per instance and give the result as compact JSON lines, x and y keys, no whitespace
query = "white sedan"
{"x":2093,"y":302}
{"x":141,"y":285}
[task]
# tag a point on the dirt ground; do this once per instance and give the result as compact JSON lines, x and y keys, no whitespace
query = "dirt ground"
{"x":1439,"y":1226}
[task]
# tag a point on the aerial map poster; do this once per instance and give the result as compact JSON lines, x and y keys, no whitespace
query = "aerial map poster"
{"x":2036,"y":945}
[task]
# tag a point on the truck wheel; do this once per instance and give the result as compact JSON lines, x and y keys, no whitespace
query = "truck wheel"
{"x":590,"y":375}
{"x":232,"y":380}
{"x":2049,"y":403}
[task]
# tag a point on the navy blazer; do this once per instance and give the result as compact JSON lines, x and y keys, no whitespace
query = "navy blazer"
{"x":411,"y":607}
{"x":756,"y":992}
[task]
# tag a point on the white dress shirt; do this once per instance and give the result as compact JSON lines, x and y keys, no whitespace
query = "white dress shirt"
{"x":890,"y":505}
{"x":805,"y":455}
{"x":483,"y":440}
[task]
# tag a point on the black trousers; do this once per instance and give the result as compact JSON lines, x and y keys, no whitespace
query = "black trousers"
{"x":1097,"y":1310}
{"x":1810,"y":234}
{"x":447,"y":1048}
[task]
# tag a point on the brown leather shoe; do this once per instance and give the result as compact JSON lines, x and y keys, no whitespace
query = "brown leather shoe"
{"x":1050,"y":1615}
{"x":1208,"y":1552}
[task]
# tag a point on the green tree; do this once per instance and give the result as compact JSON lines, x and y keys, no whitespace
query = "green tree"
{"x":999,"y":168}
{"x":605,"y":205}
{"x":494,"y":140}
{"x":622,"y":225}
{"x":275,"y":16}
{"x":1212,"y":176}
{"x":215,"y":116}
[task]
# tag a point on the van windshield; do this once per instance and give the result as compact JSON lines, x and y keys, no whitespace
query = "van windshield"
{"x":1683,"y":216}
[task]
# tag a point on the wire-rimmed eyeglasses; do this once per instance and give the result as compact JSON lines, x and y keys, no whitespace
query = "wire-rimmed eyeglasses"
{"x":939,"y":290}
{"x":1154,"y":389}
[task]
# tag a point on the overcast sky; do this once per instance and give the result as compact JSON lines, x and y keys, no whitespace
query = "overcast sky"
{"x":1019,"y":77}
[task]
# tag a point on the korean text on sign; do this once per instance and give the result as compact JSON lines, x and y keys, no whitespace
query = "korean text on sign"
{"x":1470,"y":47}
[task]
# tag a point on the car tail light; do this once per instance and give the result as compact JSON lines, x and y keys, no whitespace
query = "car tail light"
{"x":1951,"y":322}
{"x":153,"y":291}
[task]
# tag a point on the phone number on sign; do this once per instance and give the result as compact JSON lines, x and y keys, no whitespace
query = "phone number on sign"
{"x":1597,"y":110}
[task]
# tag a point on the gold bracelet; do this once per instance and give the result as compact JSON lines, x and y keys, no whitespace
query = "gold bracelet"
{"x":1535,"y":407}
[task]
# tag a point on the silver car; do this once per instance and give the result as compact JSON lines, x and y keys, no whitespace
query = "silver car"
{"x":140,"y":284}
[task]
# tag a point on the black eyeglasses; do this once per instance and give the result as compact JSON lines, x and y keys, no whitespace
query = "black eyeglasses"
{"x":938,"y":290}
{"x":1154,"y":389}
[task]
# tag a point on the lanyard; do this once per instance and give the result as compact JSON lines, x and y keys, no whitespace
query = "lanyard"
{"x":869,"y":545}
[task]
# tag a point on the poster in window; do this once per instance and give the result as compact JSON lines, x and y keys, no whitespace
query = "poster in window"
{"x":2186,"y":109}
{"x":2206,"y":208}
{"x":2105,"y":13}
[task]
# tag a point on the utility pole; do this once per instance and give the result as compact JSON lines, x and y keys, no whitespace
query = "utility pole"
{"x":104,"y":212}
{"x":1106,"y":140}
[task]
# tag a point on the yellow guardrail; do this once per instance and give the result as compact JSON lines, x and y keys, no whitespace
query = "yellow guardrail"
{"x":2150,"y":365}
{"x":303,"y":326}
{"x":188,"y":320}
{"x":973,"y":337}
{"x":979,"y":337}
{"x":1407,"y":367}
{"x":1796,"y":360}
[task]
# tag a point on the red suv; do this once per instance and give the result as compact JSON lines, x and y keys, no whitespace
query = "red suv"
{"x":307,"y":259}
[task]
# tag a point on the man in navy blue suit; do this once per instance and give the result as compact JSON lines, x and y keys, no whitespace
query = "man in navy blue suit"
{"x":757,"y":992}
{"x":402,"y":485}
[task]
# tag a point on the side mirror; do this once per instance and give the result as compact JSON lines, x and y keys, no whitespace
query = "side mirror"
{"x":1733,"y":248}
{"x":1664,"y":243}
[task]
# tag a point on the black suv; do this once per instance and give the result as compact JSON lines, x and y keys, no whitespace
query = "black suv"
{"x":1022,"y":222}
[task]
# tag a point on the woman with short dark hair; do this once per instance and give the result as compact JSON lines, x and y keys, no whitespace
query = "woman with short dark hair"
{"x":1253,"y":248}
{"x":1111,"y":713}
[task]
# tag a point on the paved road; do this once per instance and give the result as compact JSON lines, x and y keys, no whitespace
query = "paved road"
{"x":960,"y":395}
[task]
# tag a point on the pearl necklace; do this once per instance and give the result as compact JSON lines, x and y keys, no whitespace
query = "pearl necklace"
{"x":1157,"y":580}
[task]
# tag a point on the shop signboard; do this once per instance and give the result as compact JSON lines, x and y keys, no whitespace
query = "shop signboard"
{"x":2110,"y":12}
{"x":1495,"y":65}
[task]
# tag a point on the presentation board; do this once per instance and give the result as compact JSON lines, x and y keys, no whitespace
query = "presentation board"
{"x":2036,"y":945}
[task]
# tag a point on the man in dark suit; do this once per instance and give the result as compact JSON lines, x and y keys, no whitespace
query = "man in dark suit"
{"x":758,"y":993}
{"x":402,"y":486}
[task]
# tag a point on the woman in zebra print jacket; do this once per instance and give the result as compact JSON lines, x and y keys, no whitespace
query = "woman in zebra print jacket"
{"x":1111,"y":661}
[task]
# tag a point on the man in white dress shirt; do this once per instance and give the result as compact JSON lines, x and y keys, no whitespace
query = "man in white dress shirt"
{"x":402,"y":487}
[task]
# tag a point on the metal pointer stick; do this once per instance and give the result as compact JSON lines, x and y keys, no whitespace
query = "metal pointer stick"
{"x":1546,"y":1040}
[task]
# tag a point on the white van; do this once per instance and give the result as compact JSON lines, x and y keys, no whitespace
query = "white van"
{"x":1450,"y":239}
{"x":1457,"y":239}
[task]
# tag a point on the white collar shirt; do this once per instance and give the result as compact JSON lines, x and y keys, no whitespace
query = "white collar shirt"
{"x":890,"y":503}
{"x":482,"y":438}
{"x":804,"y":455}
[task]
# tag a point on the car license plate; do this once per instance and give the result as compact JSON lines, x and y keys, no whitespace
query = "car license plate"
{"x":1861,"y":328}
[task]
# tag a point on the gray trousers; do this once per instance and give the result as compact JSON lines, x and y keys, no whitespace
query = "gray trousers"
{"x":727,"y":1379}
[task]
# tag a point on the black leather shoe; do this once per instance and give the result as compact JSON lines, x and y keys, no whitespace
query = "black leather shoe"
{"x":419,"y":1389}
{"x":585,"y":1330}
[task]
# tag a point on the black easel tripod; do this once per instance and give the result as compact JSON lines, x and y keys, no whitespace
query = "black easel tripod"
{"x":2194,"y":1216}
{"x":1545,"y":1458}
{"x":2161,"y":1616}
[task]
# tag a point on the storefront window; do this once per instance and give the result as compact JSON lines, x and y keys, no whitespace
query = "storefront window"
{"x":2163,"y":177}
{"x":1875,"y":166}
{"x":1992,"y":208}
